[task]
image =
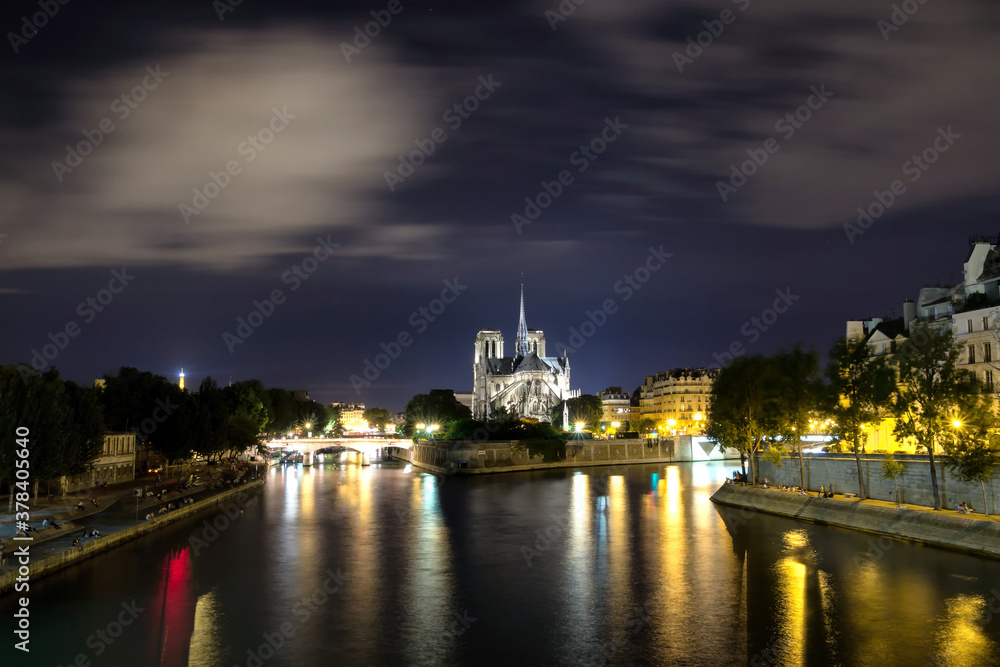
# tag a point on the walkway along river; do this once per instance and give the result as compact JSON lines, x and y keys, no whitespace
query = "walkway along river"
{"x":630,"y":565}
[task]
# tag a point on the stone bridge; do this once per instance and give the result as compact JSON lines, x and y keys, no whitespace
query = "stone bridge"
{"x":368,"y":448}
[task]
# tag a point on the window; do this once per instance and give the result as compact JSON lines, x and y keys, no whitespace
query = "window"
{"x":986,"y":323}
{"x":988,"y":379}
{"x":972,"y":353}
{"x":987,"y":352}
{"x":968,"y":325}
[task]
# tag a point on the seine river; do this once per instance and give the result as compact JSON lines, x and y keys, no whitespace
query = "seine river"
{"x":387,"y":565}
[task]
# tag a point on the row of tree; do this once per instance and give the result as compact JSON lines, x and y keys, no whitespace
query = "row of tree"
{"x":67,"y":422}
{"x":761,"y":405}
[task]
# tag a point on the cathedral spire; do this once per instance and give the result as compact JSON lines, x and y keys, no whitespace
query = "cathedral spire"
{"x":523,"y":347}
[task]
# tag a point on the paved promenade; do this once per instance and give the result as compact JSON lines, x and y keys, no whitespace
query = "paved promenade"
{"x":117,"y":508}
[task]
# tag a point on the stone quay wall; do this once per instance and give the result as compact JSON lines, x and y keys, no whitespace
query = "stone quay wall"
{"x":841,"y":471}
{"x":49,"y":564}
{"x":471,"y":457}
{"x":950,"y":531}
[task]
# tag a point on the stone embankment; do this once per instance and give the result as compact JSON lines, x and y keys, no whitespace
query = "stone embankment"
{"x":468,"y":457}
{"x":49,"y":564}
{"x":971,"y":533}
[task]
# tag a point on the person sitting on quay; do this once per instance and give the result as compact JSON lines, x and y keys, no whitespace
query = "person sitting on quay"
{"x":150,"y":518}
{"x":93,"y":501}
{"x":45,"y":523}
{"x":79,"y":505}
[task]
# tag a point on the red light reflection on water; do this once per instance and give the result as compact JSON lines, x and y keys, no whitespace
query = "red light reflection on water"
{"x":170,"y":617}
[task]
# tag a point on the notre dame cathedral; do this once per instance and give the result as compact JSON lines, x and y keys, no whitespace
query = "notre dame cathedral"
{"x":529,"y":384}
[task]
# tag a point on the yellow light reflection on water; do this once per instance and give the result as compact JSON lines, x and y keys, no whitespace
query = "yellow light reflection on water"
{"x":618,"y":550}
{"x":960,"y":639}
{"x":579,"y":565}
{"x":205,"y":649}
{"x":790,"y":595}
{"x":428,"y":580}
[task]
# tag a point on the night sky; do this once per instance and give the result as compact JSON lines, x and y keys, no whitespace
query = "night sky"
{"x":161,"y":96}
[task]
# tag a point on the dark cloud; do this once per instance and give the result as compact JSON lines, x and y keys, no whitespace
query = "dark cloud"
{"x":324,"y":177}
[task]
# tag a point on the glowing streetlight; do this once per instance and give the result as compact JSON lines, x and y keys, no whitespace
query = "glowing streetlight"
{"x":434,"y":427}
{"x":615,"y":424}
{"x":421,"y":426}
{"x":579,"y":426}
{"x":956,"y":423}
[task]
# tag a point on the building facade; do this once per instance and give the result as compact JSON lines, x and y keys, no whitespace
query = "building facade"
{"x":528,"y":384}
{"x":678,"y":400}
{"x":971,"y":309}
{"x":616,"y":408}
{"x":115,"y":464}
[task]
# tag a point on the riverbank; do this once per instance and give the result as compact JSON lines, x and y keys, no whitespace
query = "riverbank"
{"x":971,"y":533}
{"x":55,"y":562}
{"x":463,"y":457}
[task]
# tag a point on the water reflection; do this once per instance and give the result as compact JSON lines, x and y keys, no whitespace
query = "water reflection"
{"x":960,"y":639}
{"x":429,"y":610}
{"x":205,"y":648}
{"x":642,"y":570}
{"x":169,"y":617}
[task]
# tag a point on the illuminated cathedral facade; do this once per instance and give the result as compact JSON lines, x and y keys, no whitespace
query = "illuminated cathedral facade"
{"x":528,"y":384}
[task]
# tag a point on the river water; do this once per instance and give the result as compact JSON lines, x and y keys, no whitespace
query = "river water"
{"x":630,"y":565}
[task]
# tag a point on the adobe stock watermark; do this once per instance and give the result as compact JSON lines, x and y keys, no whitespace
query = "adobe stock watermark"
{"x":209,"y":531}
{"x":581,"y":158}
{"x":629,"y":284}
{"x":249,"y":149}
{"x":420,"y":320}
{"x":757,"y":325}
{"x":914,"y":168}
{"x":706,"y":38}
{"x":122,"y":106}
{"x":562,"y":12}
{"x":103,"y":637}
{"x":787,"y":125}
{"x":223,"y":7}
{"x":372,"y":29}
{"x":87,"y":310}
{"x":454,"y":116}
{"x":545,"y":539}
{"x":295,"y":275}
{"x":901,"y":13}
{"x":30,"y":26}
{"x":304,"y":609}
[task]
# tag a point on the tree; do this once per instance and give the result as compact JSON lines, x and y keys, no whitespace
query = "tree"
{"x":644,"y":424}
{"x":736,"y":415}
{"x":282,"y":414}
{"x":792,"y":391}
{"x":892,"y":469}
{"x":335,"y":425}
{"x":439,"y":406}
{"x":377,"y":418}
{"x":586,"y":408}
{"x":859,"y":395}
{"x":64,"y":422}
{"x":973,"y":451}
{"x":930,"y":390}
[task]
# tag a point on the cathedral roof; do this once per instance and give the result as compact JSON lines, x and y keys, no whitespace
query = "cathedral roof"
{"x":532,"y":362}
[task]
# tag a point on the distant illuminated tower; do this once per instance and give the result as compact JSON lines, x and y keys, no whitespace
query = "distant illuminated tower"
{"x":181,"y":382}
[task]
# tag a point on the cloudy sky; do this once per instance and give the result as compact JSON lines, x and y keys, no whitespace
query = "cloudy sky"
{"x":212,"y":155}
